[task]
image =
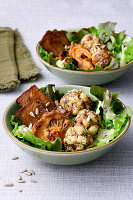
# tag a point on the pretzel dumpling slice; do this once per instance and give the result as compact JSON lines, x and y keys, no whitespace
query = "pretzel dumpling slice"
{"x":55,"y":42}
{"x":31,"y":113}
{"x":52,"y":125}
{"x":34,"y":93}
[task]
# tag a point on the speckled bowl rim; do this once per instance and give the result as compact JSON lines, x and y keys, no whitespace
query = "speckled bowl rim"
{"x":78,"y":72}
{"x":55,"y":152}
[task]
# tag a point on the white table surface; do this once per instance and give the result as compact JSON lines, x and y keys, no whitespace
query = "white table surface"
{"x":109,"y":177}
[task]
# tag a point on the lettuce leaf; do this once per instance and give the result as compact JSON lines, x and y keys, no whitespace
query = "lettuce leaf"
{"x":68,"y":63}
{"x":113,"y":126}
{"x":104,"y":136}
{"x":94,"y":31}
{"x":24,"y":134}
{"x":52,"y":92}
{"x":121,"y":120}
{"x":105,"y":30}
{"x":98,"y":92}
{"x":128,"y":52}
{"x":48,"y":57}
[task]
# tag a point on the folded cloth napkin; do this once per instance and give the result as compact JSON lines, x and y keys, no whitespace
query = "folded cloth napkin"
{"x":8,"y":68}
{"x":16,"y":63}
{"x":26,"y":67}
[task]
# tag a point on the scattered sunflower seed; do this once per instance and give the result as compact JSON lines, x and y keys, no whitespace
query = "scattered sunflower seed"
{"x":24,"y":170}
{"x":30,"y":125}
{"x":9,"y":185}
{"x":20,"y":181}
{"x":57,"y":102}
{"x":53,"y":88}
{"x":37,"y":111}
{"x":33,"y":181}
{"x":28,"y":173}
{"x":19,"y":190}
{"x":19,"y":177}
{"x":32,"y":114}
{"x":47,"y":104}
{"x":46,"y":109}
{"x":15,"y":158}
{"x":33,"y":173}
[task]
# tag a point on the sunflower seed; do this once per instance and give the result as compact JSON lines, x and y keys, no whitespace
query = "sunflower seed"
{"x":19,"y":190}
{"x":19,"y":177}
{"x":24,"y":170}
{"x":88,"y":118}
{"x":57,"y":102}
{"x":15,"y":158}
{"x":37,"y":111}
{"x":53,"y":88}
{"x":33,"y":173}
{"x":9,"y":185}
{"x":28,"y":173}
{"x":20,"y":181}
{"x":32,"y":114}
{"x":30,"y":125}
{"x":47,"y":104}
{"x":46,"y":109}
{"x":33,"y":181}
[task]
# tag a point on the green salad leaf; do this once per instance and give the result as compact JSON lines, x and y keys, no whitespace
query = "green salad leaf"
{"x":113,"y":127}
{"x":48,"y":57}
{"x":128,"y":52}
{"x":105,"y":30}
{"x":51,"y":92}
{"x":68,"y":63}
{"x":104,"y":136}
{"x":77,"y":36}
{"x":98,"y":92}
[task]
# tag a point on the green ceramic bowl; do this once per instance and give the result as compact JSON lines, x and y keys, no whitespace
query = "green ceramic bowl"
{"x":83,"y":77}
{"x":59,"y":158}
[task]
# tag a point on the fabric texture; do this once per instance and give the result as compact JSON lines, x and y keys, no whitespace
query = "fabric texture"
{"x":16,"y":63}
{"x":8,"y":68}
{"x":26,"y":67}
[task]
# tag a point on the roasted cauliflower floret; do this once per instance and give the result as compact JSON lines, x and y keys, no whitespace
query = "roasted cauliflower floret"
{"x":89,"y":120}
{"x":75,"y":100}
{"x":52,"y":125}
{"x":101,"y":58}
{"x":77,"y":139}
{"x":100,"y":54}
{"x":89,"y":41}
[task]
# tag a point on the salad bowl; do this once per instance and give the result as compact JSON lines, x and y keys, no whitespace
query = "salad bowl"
{"x":73,"y":65}
{"x":84,"y":77}
{"x":61,"y":158}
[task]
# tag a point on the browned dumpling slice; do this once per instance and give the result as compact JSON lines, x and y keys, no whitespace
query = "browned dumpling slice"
{"x":52,"y":125}
{"x":34,"y":93}
{"x":75,"y":100}
{"x":55,"y":42}
{"x":31,"y":113}
{"x":89,"y":120}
